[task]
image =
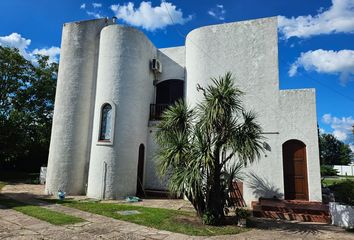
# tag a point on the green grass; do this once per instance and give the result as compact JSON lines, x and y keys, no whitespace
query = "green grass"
{"x":44,"y":214}
{"x":18,"y":176}
{"x":163,"y":219}
{"x":329,"y":181}
{"x":2,"y":184}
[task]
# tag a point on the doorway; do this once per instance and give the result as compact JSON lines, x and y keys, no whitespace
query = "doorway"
{"x":295,"y":170}
{"x":140,"y":175}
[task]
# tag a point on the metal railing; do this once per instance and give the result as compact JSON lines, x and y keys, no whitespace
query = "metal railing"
{"x":156,"y":111}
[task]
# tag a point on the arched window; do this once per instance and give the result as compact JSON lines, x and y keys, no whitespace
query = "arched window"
{"x":106,"y":123}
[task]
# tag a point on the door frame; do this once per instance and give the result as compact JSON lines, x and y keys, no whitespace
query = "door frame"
{"x":305,"y":171}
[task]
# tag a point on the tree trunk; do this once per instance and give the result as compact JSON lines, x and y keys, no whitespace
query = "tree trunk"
{"x":215,"y":202}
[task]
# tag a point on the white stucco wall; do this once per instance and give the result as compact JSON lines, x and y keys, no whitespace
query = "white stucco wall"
{"x":152,"y":180}
{"x":173,"y":63}
{"x":249,"y":50}
{"x":298,"y":120}
{"x":125,"y":80}
{"x":73,"y":110}
{"x":173,"y":67}
{"x":120,"y":57}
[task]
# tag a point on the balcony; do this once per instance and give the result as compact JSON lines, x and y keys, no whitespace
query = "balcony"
{"x":156,"y":111}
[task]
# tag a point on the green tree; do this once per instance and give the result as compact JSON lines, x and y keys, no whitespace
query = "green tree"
{"x":27,"y":92}
{"x":202,"y":150}
{"x":333,"y":151}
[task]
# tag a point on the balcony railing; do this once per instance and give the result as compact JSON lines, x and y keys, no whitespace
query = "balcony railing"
{"x":156,"y":111}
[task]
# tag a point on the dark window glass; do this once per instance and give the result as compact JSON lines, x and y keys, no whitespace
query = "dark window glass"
{"x":106,"y":123}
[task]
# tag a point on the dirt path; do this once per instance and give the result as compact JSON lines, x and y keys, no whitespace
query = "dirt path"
{"x":15,"y":225}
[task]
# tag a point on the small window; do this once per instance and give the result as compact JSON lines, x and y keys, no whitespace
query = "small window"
{"x":106,"y":123}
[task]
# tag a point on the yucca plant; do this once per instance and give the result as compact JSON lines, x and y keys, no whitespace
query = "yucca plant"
{"x":202,"y":150}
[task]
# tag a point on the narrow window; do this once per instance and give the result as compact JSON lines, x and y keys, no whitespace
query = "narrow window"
{"x":106,"y":123}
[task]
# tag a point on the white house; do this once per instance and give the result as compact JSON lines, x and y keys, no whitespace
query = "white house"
{"x":113,"y":84}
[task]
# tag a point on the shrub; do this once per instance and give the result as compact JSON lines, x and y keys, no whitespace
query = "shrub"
{"x":327,"y":170}
{"x":209,"y":219}
{"x":242,"y":213}
{"x":344,"y":191}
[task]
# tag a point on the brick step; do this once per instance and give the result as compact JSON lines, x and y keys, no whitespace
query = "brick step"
{"x":293,"y":216}
{"x":296,"y":210}
{"x":291,"y":210}
{"x":291,"y":204}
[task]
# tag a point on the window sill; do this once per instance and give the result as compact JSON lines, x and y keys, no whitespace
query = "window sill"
{"x":104,"y":143}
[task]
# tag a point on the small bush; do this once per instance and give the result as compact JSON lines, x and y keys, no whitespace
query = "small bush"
{"x":344,"y":191}
{"x":327,"y":170}
{"x":242,"y":213}
{"x":210,"y":219}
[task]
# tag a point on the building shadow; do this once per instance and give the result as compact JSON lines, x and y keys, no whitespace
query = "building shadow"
{"x":262,"y":187}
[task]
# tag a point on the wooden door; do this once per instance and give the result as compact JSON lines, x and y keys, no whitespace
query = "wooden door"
{"x":295,"y":170}
{"x":140,"y":175}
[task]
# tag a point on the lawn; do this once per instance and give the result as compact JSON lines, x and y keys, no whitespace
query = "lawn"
{"x":329,"y":181}
{"x":44,"y":214}
{"x":17,"y":176}
{"x":163,"y":219}
{"x":2,"y":184}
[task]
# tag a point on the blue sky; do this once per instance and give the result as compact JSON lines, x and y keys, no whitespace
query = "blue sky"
{"x":316,"y":38}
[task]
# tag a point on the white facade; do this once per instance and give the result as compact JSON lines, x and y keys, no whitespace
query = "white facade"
{"x":113,"y":67}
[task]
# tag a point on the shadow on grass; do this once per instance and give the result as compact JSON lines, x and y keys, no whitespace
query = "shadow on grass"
{"x":304,"y":228}
{"x":48,"y":215}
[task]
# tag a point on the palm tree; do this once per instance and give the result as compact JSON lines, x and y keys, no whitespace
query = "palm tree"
{"x":203,"y":149}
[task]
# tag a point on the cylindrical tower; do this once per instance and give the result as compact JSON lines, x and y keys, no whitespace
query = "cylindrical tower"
{"x":74,"y":105}
{"x":124,"y":92}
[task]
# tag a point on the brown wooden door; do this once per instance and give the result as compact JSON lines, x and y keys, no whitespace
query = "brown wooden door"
{"x":140,"y":175}
{"x":295,"y":170}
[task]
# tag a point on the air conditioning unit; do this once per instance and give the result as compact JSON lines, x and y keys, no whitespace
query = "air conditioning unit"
{"x":156,"y":65}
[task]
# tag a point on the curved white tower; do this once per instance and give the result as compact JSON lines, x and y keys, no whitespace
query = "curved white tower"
{"x":125,"y":89}
{"x":75,"y":93}
{"x":249,"y":50}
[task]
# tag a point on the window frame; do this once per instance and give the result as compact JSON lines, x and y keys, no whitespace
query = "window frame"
{"x":110,"y":141}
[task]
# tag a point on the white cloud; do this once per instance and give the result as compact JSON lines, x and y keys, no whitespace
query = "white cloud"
{"x":326,"y":61}
{"x":339,"y":18}
{"x":327,"y":118}
{"x":15,"y":40}
{"x":94,"y":14}
{"x":351,"y":145}
{"x":342,"y":127}
{"x":93,"y":9}
{"x":52,"y":53}
{"x":340,"y":135}
{"x":96,"y":5}
{"x":218,"y":12}
{"x":148,"y":17}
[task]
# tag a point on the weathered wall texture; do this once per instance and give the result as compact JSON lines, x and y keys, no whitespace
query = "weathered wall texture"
{"x":124,"y":79}
{"x":72,"y":122}
{"x":249,"y":50}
